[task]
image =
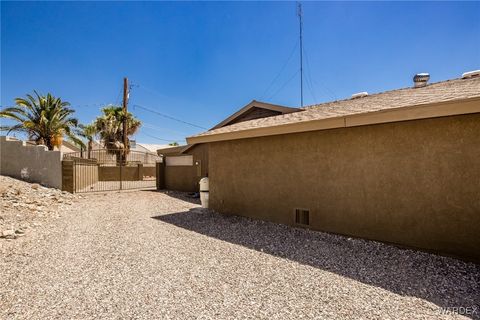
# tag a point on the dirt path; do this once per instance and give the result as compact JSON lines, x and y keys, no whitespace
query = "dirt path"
{"x":149,"y":255}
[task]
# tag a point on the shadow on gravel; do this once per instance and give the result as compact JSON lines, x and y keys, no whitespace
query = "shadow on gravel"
{"x":184,"y":196}
{"x":447,"y":282}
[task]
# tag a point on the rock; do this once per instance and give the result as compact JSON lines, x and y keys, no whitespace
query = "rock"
{"x":9,"y":234}
{"x":19,"y":231}
{"x":35,"y":186}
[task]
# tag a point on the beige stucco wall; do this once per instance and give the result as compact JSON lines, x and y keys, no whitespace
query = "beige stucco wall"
{"x":414,"y":183}
{"x":30,"y":162}
{"x":186,"y":178}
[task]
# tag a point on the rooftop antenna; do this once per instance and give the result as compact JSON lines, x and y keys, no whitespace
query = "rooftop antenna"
{"x":300,"y":22}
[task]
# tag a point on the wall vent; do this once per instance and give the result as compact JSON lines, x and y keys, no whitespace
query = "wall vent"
{"x":302,"y":216}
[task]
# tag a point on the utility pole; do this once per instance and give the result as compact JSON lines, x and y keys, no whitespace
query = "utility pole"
{"x":125,"y":103}
{"x":300,"y":14}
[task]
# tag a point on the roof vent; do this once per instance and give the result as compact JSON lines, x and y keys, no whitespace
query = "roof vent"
{"x":471,"y":74}
{"x":421,"y":79}
{"x":359,"y":95}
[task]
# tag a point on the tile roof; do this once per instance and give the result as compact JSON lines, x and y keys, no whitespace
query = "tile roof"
{"x":450,"y":90}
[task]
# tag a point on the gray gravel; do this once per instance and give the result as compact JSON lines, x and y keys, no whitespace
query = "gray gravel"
{"x":151,"y":255}
{"x":25,"y":206}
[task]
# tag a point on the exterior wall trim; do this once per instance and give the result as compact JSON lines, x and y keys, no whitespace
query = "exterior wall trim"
{"x":450,"y":108}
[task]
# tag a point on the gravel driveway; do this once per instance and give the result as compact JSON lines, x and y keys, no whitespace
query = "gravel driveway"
{"x":151,"y":255}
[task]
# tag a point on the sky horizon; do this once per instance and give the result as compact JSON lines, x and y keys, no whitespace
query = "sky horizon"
{"x":199,"y":62}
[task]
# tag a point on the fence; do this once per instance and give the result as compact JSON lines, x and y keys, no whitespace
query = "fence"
{"x":28,"y":162}
{"x":107,"y":170}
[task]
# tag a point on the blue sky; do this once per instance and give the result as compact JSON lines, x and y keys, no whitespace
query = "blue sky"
{"x":202,"y":61}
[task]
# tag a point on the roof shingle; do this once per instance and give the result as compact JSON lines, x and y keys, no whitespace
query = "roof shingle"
{"x":451,"y":90}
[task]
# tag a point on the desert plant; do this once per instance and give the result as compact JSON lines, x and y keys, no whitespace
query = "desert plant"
{"x":45,"y":119}
{"x":87,"y":132}
{"x":109,"y":127}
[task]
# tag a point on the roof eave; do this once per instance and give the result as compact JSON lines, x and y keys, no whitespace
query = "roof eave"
{"x":258,"y":104}
{"x":432,"y":110}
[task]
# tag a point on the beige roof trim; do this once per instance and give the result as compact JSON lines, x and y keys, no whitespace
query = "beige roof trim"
{"x":257,"y":104}
{"x":71,"y":145}
{"x":173,"y":150}
{"x":433,"y":110}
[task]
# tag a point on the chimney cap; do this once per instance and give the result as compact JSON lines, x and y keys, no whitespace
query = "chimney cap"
{"x":421,"y":79}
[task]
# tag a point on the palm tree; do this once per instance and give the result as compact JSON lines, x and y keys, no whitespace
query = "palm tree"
{"x":45,"y":119}
{"x":110,"y":129}
{"x":87,"y":132}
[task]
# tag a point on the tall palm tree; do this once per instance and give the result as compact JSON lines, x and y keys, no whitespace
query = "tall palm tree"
{"x":87,"y":132}
{"x":110,"y":129}
{"x":45,"y":119}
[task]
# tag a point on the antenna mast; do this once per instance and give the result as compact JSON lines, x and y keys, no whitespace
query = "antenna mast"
{"x":125,"y":113}
{"x":300,"y":14}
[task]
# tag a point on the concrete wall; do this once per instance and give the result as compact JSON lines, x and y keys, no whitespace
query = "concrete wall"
{"x":413,"y":183}
{"x":30,"y":163}
{"x":186,"y":178}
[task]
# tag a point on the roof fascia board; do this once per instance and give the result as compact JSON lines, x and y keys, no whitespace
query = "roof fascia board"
{"x":442,"y":109}
{"x":251,"y":105}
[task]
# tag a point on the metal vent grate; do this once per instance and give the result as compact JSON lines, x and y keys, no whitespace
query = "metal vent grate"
{"x":302,"y":216}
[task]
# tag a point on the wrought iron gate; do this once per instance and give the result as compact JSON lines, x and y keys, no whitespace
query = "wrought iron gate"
{"x":109,"y":170}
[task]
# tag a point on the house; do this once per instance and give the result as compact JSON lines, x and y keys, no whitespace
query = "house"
{"x":400,"y":166}
{"x":146,"y":147}
{"x":186,"y":165}
{"x":65,"y":147}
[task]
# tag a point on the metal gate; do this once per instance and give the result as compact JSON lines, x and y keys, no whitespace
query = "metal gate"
{"x":109,"y":170}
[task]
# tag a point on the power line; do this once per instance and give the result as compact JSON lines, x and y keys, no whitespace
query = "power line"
{"x":327,"y":90}
{"x":91,"y":105}
{"x":150,"y":90}
{"x":281,"y":70}
{"x":283,"y":86}
{"x":309,"y":77}
{"x":157,"y":128}
{"x":166,"y":140}
{"x":168,"y":117}
{"x":117,"y":100}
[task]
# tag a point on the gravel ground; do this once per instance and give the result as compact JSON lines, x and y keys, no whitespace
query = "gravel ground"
{"x":26,"y":206}
{"x":152,"y":255}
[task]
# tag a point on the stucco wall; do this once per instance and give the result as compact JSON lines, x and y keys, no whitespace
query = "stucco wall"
{"x":186,"y":178}
{"x":414,"y":183}
{"x":31,"y":163}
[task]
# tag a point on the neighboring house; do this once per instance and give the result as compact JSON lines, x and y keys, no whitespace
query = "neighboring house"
{"x":401,"y":166}
{"x":146,"y":147}
{"x":186,"y":165}
{"x":66,"y":146}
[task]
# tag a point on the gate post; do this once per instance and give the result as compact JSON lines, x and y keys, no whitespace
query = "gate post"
{"x":160,"y":173}
{"x":68,"y":179}
{"x":140,"y":172}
